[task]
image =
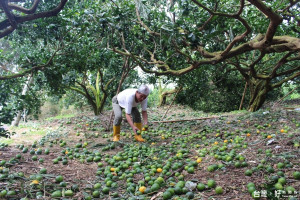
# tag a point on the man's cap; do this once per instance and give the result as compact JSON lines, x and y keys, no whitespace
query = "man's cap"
{"x":144,"y":89}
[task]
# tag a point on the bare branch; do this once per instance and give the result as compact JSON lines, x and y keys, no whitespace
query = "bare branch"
{"x":25,"y":10}
{"x":144,"y":25}
{"x":9,"y":25}
{"x":10,"y":16}
{"x":297,"y":74}
{"x":289,"y":71}
{"x":35,"y":68}
{"x":5,"y":69}
{"x":205,"y":23}
{"x":282,"y":61}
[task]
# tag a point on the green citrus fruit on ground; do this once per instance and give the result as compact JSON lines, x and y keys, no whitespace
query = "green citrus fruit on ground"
{"x":3,"y":193}
{"x":167,"y":195}
{"x":105,"y":190}
{"x":68,"y":193}
{"x":251,"y":189}
{"x":97,"y":185}
{"x":296,"y":175}
{"x":63,"y":184}
{"x":180,"y":184}
{"x":270,"y":169}
{"x":191,"y":170}
{"x":155,"y":187}
{"x":280,"y":165}
{"x":184,"y":190}
{"x":11,"y":193}
{"x":281,"y":173}
{"x":59,"y":179}
{"x":96,"y":194}
{"x":65,"y":161}
{"x":47,"y":151}
{"x":75,"y":187}
{"x":250,"y":185}
{"x":38,"y":177}
{"x":56,"y":194}
{"x":248,"y":172}
{"x":178,"y":190}
{"x":190,"y":195}
{"x":211,"y":183}
{"x":237,"y":164}
{"x":219,"y":190}
{"x":278,"y":186}
{"x":210,"y":168}
{"x":34,"y":158}
{"x":159,"y":180}
{"x":200,"y":186}
{"x":43,"y":171}
{"x":290,"y":189}
{"x":282,"y":180}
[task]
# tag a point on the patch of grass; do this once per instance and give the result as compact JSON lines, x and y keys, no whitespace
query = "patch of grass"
{"x":7,"y":141}
{"x":239,"y":112}
{"x":60,"y":117}
{"x":37,"y":132}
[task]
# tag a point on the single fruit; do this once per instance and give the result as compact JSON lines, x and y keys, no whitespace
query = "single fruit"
{"x":97,"y":186}
{"x":142,"y":189}
{"x":105,"y":190}
{"x":211,"y":183}
{"x":200,"y":186}
{"x":282,"y":180}
{"x":190,"y":195}
{"x":96,"y":194}
{"x":56,"y":194}
{"x":59,"y":179}
{"x":43,"y":171}
{"x":167,"y":195}
{"x":296,"y":175}
{"x":278,"y":186}
{"x":68,"y":193}
{"x":248,"y":172}
{"x":219,"y":190}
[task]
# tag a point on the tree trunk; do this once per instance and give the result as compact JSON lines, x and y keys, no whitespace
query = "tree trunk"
{"x":163,"y":96}
{"x":258,"y":93}
{"x":17,"y":119}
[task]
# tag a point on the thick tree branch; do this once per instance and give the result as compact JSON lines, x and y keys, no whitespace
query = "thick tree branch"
{"x":275,"y":20}
{"x":11,"y":18}
{"x":295,"y":69}
{"x":282,"y":61}
{"x":297,"y":74}
{"x":9,"y":25}
{"x":24,"y":10}
{"x":215,"y":57}
{"x":242,"y":70}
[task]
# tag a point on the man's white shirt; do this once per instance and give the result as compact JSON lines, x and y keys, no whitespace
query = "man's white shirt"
{"x":126,"y":100}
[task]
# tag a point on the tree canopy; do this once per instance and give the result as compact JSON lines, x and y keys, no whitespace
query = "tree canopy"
{"x":202,"y":45}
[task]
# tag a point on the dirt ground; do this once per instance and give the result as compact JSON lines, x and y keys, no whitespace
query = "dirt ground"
{"x":90,"y":129}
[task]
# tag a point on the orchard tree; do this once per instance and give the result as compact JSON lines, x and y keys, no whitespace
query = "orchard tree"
{"x":259,"y":39}
{"x":59,"y":52}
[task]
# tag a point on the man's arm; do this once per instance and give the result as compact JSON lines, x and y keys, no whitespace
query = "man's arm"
{"x":130,"y":122}
{"x":145,"y":117}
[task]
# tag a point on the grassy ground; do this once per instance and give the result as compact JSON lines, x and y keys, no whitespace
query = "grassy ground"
{"x":232,"y":149}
